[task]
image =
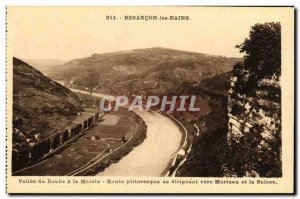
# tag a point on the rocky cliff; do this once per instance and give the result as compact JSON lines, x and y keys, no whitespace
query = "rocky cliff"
{"x":254,"y":106}
{"x":40,"y":106}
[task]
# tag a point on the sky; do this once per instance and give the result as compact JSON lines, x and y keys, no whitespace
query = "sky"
{"x":66,"y":33}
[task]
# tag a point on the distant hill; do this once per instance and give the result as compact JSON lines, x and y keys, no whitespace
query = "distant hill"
{"x":151,"y":70}
{"x":215,"y":87}
{"x":40,"y":105}
{"x":219,"y":84}
{"x":44,"y":65}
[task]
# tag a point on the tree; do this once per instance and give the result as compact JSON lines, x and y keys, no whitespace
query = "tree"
{"x":263,"y":49}
{"x":92,"y":79}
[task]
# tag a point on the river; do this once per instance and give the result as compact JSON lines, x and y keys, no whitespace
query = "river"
{"x":151,"y":157}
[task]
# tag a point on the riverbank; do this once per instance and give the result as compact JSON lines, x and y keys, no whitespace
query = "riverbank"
{"x":115,"y":156}
{"x":188,"y":133}
{"x":152,"y":157}
{"x":134,"y":132}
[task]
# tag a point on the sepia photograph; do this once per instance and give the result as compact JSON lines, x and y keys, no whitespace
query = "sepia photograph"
{"x":150,"y":92}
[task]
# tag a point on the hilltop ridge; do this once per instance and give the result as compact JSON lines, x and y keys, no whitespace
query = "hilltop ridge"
{"x":156,"y":70}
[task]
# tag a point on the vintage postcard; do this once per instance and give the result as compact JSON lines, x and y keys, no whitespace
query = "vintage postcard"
{"x":150,"y":100}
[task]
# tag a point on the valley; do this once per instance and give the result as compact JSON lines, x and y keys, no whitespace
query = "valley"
{"x":154,"y":71}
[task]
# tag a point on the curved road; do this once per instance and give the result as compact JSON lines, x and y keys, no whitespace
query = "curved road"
{"x":152,"y":157}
